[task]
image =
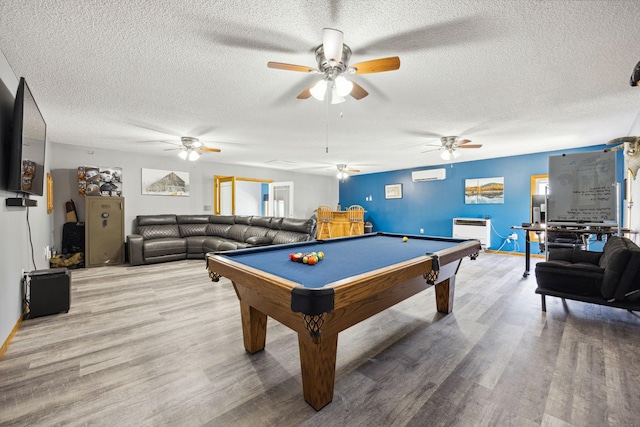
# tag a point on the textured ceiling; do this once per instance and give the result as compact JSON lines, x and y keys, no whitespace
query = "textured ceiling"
{"x":517,"y":77}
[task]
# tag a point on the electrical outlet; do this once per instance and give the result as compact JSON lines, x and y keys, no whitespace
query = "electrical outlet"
{"x":422,"y":231}
{"x":47,"y":254}
{"x":514,"y":236}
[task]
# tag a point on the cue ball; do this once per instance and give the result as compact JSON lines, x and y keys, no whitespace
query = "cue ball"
{"x":404,"y":239}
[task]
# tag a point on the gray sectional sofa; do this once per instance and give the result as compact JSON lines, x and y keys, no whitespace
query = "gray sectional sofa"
{"x":160,"y":238}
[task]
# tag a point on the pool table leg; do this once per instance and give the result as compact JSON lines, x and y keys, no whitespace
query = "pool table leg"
{"x":444,"y":295}
{"x":318,"y":365}
{"x":254,"y":328}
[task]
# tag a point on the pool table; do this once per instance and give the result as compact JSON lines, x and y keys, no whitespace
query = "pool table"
{"x":358,"y":277}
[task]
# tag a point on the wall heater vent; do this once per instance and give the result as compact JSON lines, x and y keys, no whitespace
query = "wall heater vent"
{"x":473,"y":228}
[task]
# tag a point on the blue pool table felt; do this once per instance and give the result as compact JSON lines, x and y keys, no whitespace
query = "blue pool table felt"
{"x":343,"y":257}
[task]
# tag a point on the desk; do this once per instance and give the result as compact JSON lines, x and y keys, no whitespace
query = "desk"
{"x":340,"y":226}
{"x":358,"y":277}
{"x":585,"y":233}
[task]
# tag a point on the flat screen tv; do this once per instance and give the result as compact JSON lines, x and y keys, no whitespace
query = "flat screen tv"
{"x":25,"y":151}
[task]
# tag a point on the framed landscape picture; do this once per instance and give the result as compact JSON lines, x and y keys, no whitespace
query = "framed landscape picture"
{"x":484,"y":191}
{"x":393,"y":191}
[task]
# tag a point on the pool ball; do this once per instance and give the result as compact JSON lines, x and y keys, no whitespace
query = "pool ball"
{"x":404,"y":239}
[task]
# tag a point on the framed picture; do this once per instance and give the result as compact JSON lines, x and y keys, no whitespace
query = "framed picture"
{"x":165,"y":183}
{"x":393,"y":191}
{"x":484,"y":190}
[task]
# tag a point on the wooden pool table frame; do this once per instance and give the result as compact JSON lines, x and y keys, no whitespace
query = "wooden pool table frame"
{"x":356,"y":298}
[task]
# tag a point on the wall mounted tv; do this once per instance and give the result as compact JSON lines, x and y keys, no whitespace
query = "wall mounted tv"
{"x":25,"y":147}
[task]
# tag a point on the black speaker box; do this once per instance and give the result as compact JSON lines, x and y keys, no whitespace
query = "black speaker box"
{"x":49,"y":292}
{"x":73,"y":237}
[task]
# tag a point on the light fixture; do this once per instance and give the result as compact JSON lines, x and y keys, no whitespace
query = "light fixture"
{"x":336,"y":98}
{"x":332,"y":41}
{"x":319,"y":89}
{"x":189,"y":154}
{"x":342,"y":175}
{"x":343,"y":86}
{"x":449,"y":154}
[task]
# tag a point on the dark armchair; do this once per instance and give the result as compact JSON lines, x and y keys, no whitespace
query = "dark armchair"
{"x":610,"y":277}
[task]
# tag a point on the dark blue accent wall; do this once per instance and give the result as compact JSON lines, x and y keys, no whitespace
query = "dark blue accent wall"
{"x":432,"y":205}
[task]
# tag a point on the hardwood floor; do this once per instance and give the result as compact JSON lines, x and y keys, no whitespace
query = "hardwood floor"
{"x":162,"y":345}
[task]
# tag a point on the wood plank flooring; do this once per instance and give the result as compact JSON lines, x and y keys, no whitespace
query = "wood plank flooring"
{"x":162,"y":345}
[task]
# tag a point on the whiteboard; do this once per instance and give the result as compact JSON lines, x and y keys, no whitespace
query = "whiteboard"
{"x":582,"y":188}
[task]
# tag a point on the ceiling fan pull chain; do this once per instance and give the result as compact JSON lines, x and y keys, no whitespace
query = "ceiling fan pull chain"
{"x":326,"y":148}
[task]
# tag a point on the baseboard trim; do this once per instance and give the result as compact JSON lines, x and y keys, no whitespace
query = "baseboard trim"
{"x":514,"y":253}
{"x":13,"y":332}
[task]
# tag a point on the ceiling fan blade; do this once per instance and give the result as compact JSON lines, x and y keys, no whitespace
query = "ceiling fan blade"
{"x":210,"y":150}
{"x":376,"y":65}
{"x":291,"y":67}
{"x":332,"y":40}
{"x":352,"y":170}
{"x":358,"y":92}
{"x":470,"y":146}
{"x":172,"y":149}
{"x":463,"y":141}
{"x":305,"y":93}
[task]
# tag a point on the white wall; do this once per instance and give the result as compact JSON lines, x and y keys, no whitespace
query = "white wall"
{"x":311,"y":190}
{"x":634,"y":220}
{"x":14,"y":232}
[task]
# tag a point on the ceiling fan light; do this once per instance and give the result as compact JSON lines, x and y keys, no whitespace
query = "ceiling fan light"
{"x":193,"y":155}
{"x":336,"y":98}
{"x":446,"y":155}
{"x":183,"y":154}
{"x":343,"y":86}
{"x":318,"y":90}
{"x":332,"y":44}
{"x":342,"y":175}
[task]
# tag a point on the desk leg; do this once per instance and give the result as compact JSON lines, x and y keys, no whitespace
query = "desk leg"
{"x":444,"y":295}
{"x":254,"y":328}
{"x":527,"y":256}
{"x":318,"y":365}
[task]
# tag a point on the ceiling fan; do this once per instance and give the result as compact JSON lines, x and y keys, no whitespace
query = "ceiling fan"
{"x":449,"y":145}
{"x":333,"y":57}
{"x":343,"y":172}
{"x":191,"y":148}
{"x":631,"y":146}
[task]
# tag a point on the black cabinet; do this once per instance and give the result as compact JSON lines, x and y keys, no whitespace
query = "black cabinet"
{"x":47,"y":292}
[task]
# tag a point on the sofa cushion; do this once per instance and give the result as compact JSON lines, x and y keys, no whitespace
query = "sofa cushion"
{"x":255,"y":232}
{"x":222,"y":219}
{"x":213,"y":244}
{"x":243,"y":219}
{"x":165,"y":246}
{"x":298,"y":225}
{"x":156,"y":220}
{"x":152,"y":232}
{"x":282,"y":237}
{"x":236,"y":232}
{"x":194,"y":244}
{"x":193,"y":219}
{"x":187,"y":230}
{"x":276,"y":223}
{"x":564,"y":276}
{"x":219,"y":230}
{"x":261,"y":221}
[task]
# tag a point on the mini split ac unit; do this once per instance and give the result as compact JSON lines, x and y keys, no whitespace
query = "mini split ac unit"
{"x":429,"y":175}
